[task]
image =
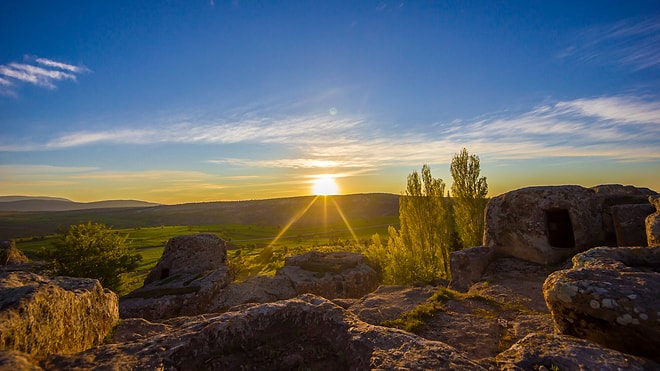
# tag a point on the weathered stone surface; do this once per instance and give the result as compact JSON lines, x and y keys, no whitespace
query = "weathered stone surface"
{"x":177,"y":295}
{"x":307,"y":332}
{"x":543,"y":224}
{"x":566,"y":353}
{"x":41,"y":315}
{"x":389,"y":302}
{"x":653,"y":223}
{"x":611,"y":296}
{"x":190,"y":255}
{"x":258,"y":289}
{"x":14,"y":360}
{"x":467,"y":266}
{"x":330,"y":274}
{"x":10,"y":255}
{"x":629,"y":223}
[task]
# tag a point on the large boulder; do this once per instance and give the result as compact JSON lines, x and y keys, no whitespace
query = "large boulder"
{"x":41,"y":315}
{"x":611,"y":296}
{"x":307,"y":332}
{"x":257,"y":289}
{"x":566,"y":353}
{"x":544,"y":225}
{"x":330,"y":274}
{"x":652,"y":223}
{"x":629,"y":223}
{"x":467,"y":266}
{"x":10,"y":255}
{"x":189,"y":275}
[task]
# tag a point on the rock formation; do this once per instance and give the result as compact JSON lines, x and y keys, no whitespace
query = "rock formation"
{"x":10,"y":255}
{"x":307,"y":332}
{"x":548,"y":224}
{"x":389,"y":302}
{"x":186,"y":288}
{"x":653,"y":223}
{"x":467,"y":266}
{"x":611,"y":296}
{"x":41,"y":315}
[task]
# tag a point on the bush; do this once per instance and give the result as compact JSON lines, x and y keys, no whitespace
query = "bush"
{"x":95,"y":251}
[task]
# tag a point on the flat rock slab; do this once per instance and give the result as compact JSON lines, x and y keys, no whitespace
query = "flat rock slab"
{"x":389,"y":302}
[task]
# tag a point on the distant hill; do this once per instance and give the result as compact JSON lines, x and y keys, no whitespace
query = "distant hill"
{"x":27,"y":203}
{"x":270,"y":212}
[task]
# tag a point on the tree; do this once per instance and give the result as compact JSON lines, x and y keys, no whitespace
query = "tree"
{"x":469,"y":196}
{"x":419,"y":251}
{"x":95,"y":251}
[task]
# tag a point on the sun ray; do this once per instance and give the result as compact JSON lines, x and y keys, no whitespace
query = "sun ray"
{"x":293,"y":220}
{"x":343,"y":217}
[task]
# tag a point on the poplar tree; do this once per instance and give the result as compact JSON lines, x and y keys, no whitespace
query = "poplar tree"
{"x":468,"y":193}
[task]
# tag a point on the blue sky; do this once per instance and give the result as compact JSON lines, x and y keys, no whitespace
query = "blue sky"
{"x":178,"y":101}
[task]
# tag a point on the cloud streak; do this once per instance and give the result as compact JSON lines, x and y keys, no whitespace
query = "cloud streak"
{"x":632,"y":43}
{"x":41,"y":72}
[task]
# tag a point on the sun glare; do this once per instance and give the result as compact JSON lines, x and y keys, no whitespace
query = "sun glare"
{"x":325,"y":185}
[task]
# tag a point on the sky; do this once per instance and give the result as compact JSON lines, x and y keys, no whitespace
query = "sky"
{"x":188,"y":101}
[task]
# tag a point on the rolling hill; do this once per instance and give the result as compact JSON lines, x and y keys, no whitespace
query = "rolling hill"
{"x":28,"y":203}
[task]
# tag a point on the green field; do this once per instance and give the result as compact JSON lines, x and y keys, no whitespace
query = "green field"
{"x":253,"y":247}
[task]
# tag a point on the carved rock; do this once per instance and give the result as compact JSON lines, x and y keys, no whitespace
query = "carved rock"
{"x":629,"y":223}
{"x":611,"y":296}
{"x":653,"y":223}
{"x":41,"y":315}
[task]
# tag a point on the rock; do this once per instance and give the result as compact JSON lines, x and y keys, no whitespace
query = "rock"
{"x":611,"y":296}
{"x":307,"y":332}
{"x":548,"y":224}
{"x":177,"y":295}
{"x":10,"y":255}
{"x":566,"y":353}
{"x":14,"y":360}
{"x":467,"y":266}
{"x":189,"y":255}
{"x":389,"y":302}
{"x":629,"y":223}
{"x":653,"y":223}
{"x":41,"y":315}
{"x":258,"y":289}
{"x":330,"y":274}
{"x":543,"y":224}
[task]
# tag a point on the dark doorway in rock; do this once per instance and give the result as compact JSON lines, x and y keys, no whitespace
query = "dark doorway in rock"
{"x":560,"y":228}
{"x":164,"y":273}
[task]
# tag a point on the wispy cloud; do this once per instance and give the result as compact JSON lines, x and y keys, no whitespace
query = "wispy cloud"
{"x":36,"y":71}
{"x":632,"y":43}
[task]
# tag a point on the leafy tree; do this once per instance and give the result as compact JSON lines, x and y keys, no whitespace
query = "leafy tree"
{"x":469,"y":196}
{"x":419,"y":251}
{"x":95,"y":251}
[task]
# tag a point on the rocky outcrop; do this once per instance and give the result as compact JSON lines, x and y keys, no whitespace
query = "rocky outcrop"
{"x":41,"y":315}
{"x":548,"y":224}
{"x":197,"y":288}
{"x":566,"y":353}
{"x":652,"y":223}
{"x":467,"y":266}
{"x":307,"y":332}
{"x":10,"y":255}
{"x":611,"y":296}
{"x":389,"y":302}
{"x":14,"y":360}
{"x":330,"y":274}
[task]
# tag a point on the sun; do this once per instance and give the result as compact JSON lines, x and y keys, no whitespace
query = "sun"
{"x":325,"y":185}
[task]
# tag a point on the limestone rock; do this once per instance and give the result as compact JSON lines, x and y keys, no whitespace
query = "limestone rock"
{"x":566,"y":353}
{"x":14,"y":360}
{"x":258,"y":289}
{"x":389,"y":302}
{"x":629,"y":223}
{"x":307,"y":332}
{"x":467,"y":266}
{"x":177,"y":295}
{"x":330,"y":274}
{"x":189,"y":255}
{"x":10,"y":255}
{"x":653,"y":223}
{"x":543,"y":224}
{"x":41,"y":315}
{"x":611,"y":296}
